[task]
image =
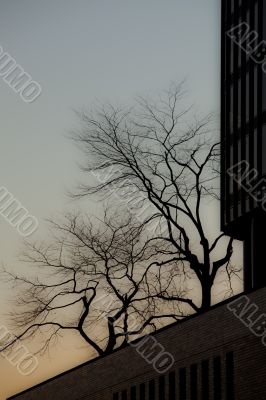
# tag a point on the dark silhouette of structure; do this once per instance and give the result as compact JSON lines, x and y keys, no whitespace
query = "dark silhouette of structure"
{"x":216,"y":357}
{"x":219,"y":354}
{"x":243,"y":130}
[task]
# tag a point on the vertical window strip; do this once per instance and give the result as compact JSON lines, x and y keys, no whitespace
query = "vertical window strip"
{"x":205,"y":380}
{"x":152,"y":390}
{"x":142,"y":391}
{"x":194,"y":382}
{"x":161,"y":388}
{"x":133,"y":393}
{"x":230,"y":376}
{"x":182,"y":384}
{"x":172,"y":386}
{"x":217,"y":378}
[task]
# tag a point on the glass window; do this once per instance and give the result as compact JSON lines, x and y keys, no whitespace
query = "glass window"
{"x":217,"y":378}
{"x":194,"y":382}
{"x":142,"y":391}
{"x":152,"y":390}
{"x":172,"y":386}
{"x":161,"y":388}
{"x":205,"y":390}
{"x":133,"y":393}
{"x":230,"y":384}
{"x":182,"y":384}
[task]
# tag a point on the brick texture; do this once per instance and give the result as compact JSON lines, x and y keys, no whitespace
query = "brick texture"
{"x":212,"y":339}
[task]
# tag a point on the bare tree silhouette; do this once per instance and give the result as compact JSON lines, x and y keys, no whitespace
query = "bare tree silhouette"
{"x":171,"y":158}
{"x":112,"y":280}
{"x":92,"y":280}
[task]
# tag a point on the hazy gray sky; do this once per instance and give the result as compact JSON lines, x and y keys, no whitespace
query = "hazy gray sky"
{"x":80,"y":51}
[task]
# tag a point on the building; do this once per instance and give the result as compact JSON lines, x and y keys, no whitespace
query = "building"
{"x":243,"y":131}
{"x":216,"y":357}
{"x":219,"y":354}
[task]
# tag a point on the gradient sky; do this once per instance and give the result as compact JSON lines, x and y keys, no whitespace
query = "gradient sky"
{"x":80,"y":51}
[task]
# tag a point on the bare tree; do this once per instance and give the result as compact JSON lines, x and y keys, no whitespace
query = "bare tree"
{"x":93,"y":280}
{"x":112,"y":280}
{"x":171,"y":159}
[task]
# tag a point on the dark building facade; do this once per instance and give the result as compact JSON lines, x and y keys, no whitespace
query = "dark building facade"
{"x":243,"y":131}
{"x":216,"y":357}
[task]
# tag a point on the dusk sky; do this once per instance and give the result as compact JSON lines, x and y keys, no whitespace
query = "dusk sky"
{"x":81,"y":52}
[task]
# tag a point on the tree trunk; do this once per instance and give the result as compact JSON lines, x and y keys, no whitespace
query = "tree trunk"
{"x":206,"y":295}
{"x":112,"y":339}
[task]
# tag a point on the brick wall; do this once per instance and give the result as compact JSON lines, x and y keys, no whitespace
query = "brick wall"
{"x":216,"y":357}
